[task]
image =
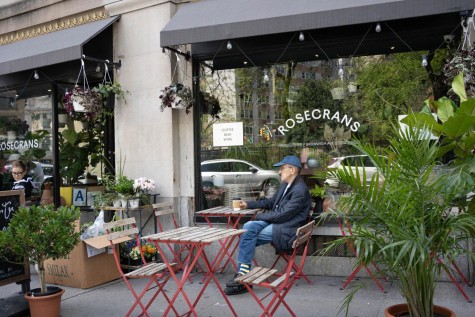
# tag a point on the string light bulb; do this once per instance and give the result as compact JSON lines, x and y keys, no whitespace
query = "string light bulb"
{"x":98,"y":68}
{"x":266,"y":77}
{"x":378,"y":27}
{"x":36,"y":76}
{"x":229,"y":46}
{"x":301,"y":37}
{"x":424,"y":61}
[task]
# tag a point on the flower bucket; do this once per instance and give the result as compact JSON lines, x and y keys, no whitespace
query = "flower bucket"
{"x":134,"y":203}
{"x":117,"y":203}
{"x":338,"y":93}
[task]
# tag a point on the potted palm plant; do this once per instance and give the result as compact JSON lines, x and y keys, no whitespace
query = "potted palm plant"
{"x":415,"y":221}
{"x":39,"y":233}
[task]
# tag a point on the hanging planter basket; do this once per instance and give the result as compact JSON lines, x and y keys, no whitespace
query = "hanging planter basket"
{"x":83,"y":101}
{"x":176,"y":96}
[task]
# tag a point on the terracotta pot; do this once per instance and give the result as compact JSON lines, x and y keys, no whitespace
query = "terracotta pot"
{"x":47,"y":196}
{"x":45,"y":305}
{"x":398,"y":309}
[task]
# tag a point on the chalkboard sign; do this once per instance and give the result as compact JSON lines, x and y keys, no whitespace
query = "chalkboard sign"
{"x":10,"y":272}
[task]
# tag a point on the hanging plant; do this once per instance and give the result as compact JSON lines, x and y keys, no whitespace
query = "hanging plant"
{"x":176,"y":96}
{"x":212,"y":104}
{"x":462,"y":61}
{"x":79,"y":100}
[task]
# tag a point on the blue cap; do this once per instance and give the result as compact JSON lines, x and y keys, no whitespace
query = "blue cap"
{"x":291,"y":160}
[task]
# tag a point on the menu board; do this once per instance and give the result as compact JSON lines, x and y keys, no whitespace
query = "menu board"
{"x":10,"y":270}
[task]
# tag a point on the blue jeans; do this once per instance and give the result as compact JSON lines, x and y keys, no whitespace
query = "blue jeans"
{"x":258,"y":232}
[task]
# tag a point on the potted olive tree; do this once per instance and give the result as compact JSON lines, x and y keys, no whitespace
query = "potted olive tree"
{"x":415,"y":221}
{"x":39,"y":233}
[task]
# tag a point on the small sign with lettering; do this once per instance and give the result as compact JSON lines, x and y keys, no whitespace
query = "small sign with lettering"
{"x":79,"y":196}
{"x":228,"y":134}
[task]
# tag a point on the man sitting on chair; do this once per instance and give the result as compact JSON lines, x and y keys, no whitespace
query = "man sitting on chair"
{"x":289,"y":209}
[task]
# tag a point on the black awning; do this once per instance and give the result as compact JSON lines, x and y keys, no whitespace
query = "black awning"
{"x":49,"y":49}
{"x":263,"y":29}
{"x":212,"y":20}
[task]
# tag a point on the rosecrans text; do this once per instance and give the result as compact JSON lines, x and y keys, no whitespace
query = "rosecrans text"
{"x":317,"y":114}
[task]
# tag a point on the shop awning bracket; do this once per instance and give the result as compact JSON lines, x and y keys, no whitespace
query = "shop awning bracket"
{"x":186,"y":55}
{"x":104,"y":61}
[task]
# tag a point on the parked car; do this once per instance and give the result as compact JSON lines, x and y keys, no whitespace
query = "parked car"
{"x":352,"y":161}
{"x":232,"y":171}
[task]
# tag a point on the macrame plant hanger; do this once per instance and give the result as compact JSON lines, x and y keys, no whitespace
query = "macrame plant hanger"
{"x":80,"y":97}
{"x":107,"y":80}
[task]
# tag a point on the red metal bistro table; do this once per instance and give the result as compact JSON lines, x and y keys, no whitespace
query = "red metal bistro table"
{"x":233,"y":217}
{"x":197,"y":238}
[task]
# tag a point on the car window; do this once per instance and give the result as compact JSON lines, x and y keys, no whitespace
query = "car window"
{"x":347,"y":161}
{"x":368,"y":162}
{"x":215,"y":167}
{"x":240,"y":167}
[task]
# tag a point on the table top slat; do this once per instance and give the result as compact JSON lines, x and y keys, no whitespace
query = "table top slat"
{"x":222,"y":235}
{"x":170,"y":233}
{"x":227,"y":212}
{"x":206,"y":234}
{"x":195,"y":234}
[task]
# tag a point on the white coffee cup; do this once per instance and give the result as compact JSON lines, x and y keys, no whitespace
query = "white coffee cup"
{"x":237,"y":204}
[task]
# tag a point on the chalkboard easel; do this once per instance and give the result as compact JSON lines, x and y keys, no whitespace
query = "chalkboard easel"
{"x":11,"y":272}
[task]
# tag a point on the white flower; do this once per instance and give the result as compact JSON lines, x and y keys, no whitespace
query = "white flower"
{"x":144,"y":185}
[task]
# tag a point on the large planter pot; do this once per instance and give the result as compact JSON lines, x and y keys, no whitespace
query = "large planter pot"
{"x":48,"y":304}
{"x":400,"y":310}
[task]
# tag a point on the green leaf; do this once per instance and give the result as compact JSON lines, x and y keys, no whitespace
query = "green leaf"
{"x":459,"y":87}
{"x":70,"y":135}
{"x":458,"y":125}
{"x":445,"y":108}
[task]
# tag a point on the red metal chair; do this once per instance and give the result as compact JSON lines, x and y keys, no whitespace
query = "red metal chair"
{"x":165,"y":220}
{"x":286,"y":255}
{"x":347,"y":232}
{"x":279,"y":283}
{"x":455,"y":269}
{"x":156,"y":273}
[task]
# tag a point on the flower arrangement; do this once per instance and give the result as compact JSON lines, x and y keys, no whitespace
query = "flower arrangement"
{"x":143,"y":185}
{"x":148,"y":251}
{"x":176,"y":95}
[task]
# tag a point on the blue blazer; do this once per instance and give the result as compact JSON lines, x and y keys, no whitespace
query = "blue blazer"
{"x":286,"y":212}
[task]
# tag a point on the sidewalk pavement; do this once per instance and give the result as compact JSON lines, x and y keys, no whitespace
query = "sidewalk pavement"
{"x":322,"y":299}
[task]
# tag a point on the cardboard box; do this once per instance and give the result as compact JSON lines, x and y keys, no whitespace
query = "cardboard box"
{"x":79,"y":270}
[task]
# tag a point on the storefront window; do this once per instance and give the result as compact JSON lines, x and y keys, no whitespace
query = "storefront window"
{"x":26,"y":135}
{"x":307,"y":109}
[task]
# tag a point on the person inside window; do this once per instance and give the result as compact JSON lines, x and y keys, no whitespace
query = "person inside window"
{"x":20,"y":178}
{"x":289,"y":209}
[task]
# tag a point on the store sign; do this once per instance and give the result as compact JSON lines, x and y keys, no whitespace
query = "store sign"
{"x":228,"y":134}
{"x":19,"y":145}
{"x":318,"y":114}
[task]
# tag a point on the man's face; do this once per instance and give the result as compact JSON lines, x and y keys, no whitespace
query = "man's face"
{"x":286,"y":173}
